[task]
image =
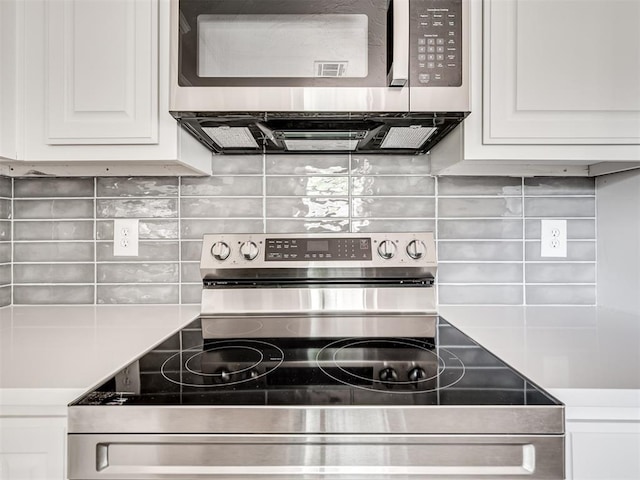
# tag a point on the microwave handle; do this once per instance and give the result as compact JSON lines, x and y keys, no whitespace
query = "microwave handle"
{"x":399,"y":75}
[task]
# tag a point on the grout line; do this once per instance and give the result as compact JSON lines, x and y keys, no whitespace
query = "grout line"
{"x":179,"y":206}
{"x":95,"y":238}
{"x":524,"y":245}
{"x":436,"y":233}
{"x":264,"y":192}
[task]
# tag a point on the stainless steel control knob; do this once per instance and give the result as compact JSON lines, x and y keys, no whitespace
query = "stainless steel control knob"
{"x":387,"y":249}
{"x":416,"y":374}
{"x":249,"y":250}
{"x":388,"y":375}
{"x":416,"y":249}
{"x":220,"y":251}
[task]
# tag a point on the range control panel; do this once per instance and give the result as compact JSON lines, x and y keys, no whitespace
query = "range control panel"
{"x":347,"y":250}
{"x":317,"y":249}
{"x":436,"y":43}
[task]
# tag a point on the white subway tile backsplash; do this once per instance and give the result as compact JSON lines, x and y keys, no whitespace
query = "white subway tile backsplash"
{"x":561,"y":273}
{"x":53,"y":252}
{"x":393,"y":207}
{"x":137,"y":187}
{"x":52,"y":209}
{"x":307,"y":186}
{"x":222,"y":185}
{"x":560,"y":207}
{"x":476,"y":186}
{"x":129,"y":272}
{"x":480,"y":273}
{"x":559,"y":186}
{"x":486,"y":251}
{"x":561,"y":294}
{"x":390,"y":165}
{"x":194,"y":229}
{"x":138,"y":294}
{"x":220,"y":207}
{"x":393,"y":185}
{"x":52,"y":187}
{"x":238,"y":165}
{"x":390,"y":225}
{"x":480,"y":294}
{"x":480,"y":207}
{"x":306,"y":207}
{"x":63,"y":227}
{"x":6,"y":188}
{"x":61,"y":230}
{"x":53,"y":273}
{"x":137,"y":208}
{"x":484,"y":229}
{"x":307,"y":164}
{"x":53,"y":294}
{"x":307,"y":226}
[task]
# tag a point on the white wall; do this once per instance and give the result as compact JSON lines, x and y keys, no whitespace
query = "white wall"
{"x":618,"y":234}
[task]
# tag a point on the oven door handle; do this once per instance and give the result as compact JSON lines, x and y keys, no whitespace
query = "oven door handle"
{"x":399,"y":74}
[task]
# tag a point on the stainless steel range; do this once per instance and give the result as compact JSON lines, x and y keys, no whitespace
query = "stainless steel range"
{"x":317,"y":357}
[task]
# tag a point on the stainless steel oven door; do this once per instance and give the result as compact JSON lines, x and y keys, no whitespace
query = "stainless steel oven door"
{"x":290,"y":55}
{"x":336,"y":457}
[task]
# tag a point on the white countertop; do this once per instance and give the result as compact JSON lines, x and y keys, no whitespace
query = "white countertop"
{"x":51,"y":355}
{"x":588,"y":357}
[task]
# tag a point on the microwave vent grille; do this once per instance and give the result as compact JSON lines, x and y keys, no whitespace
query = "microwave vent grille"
{"x":231,"y":137}
{"x":339,"y":144}
{"x":407,"y":137}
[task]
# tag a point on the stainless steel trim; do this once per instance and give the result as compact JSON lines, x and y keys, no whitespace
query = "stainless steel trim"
{"x":320,"y":326}
{"x":317,"y":456}
{"x":400,"y":68}
{"x":432,"y":419}
{"x":326,"y":300}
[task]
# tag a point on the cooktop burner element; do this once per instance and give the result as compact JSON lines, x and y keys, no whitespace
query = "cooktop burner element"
{"x":400,"y":366}
{"x":224,"y":364}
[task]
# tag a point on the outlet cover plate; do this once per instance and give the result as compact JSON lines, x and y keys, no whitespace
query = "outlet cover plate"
{"x":125,"y":237}
{"x":553,"y":238}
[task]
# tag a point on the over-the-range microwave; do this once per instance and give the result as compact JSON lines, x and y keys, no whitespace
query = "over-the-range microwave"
{"x":374,"y":76}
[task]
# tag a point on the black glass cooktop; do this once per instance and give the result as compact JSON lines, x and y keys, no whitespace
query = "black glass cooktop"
{"x":447,"y":369}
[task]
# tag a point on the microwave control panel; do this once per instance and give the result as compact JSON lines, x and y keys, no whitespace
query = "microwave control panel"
{"x":436,"y":43}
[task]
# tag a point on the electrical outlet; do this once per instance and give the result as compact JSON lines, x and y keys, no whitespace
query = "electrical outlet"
{"x":553,"y":238}
{"x":125,"y":237}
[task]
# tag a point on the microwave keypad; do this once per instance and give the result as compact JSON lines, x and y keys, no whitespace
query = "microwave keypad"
{"x":436,"y":49}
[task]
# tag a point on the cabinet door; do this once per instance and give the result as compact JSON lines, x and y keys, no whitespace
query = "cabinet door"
{"x":561,"y":72}
{"x":604,"y":451}
{"x":32,"y":448}
{"x":102,"y":72}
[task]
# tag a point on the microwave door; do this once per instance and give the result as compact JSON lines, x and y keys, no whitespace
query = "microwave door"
{"x":290,"y":56}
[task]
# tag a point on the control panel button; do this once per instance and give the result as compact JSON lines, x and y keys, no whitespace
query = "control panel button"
{"x":220,"y":251}
{"x":249,"y":250}
{"x":387,"y":249}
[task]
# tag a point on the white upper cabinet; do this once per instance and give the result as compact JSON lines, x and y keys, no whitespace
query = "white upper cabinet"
{"x":101,"y":62}
{"x":562,"y":72}
{"x":7,"y":79}
{"x":554,"y":82}
{"x":95,"y":80}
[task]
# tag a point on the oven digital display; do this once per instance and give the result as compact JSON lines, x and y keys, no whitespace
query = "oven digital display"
{"x":318,"y":245}
{"x":317,"y":249}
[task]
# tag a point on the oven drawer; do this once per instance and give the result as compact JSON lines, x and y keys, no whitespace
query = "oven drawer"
{"x":314,"y":457}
